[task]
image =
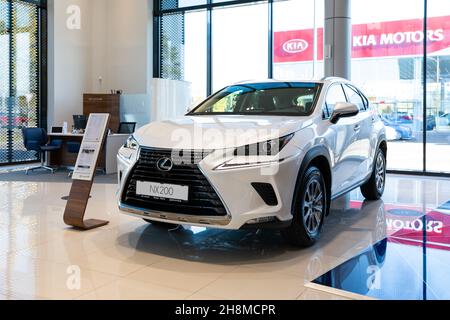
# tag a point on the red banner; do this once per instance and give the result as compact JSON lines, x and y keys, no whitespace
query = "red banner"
{"x":383,"y":39}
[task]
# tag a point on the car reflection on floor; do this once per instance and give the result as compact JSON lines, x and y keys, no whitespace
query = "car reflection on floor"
{"x":266,"y":248}
{"x":411,"y":263}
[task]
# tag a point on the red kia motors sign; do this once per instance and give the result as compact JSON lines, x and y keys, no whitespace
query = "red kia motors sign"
{"x":383,"y":39}
{"x":283,"y":41}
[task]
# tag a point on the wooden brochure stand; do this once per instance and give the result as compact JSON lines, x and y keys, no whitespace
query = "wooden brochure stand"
{"x":83,"y":176}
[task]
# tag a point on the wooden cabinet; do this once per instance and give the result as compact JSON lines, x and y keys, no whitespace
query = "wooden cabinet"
{"x":63,"y":158}
{"x":103,"y":103}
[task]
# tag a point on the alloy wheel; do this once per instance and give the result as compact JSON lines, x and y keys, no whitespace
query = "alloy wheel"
{"x":380,"y":173}
{"x":313,"y":205}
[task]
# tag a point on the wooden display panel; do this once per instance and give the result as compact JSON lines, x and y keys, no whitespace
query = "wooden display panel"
{"x":81,"y":188}
{"x":76,"y":207}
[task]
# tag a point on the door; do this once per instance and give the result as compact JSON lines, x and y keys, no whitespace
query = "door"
{"x":344,"y":135}
{"x":362,"y":148}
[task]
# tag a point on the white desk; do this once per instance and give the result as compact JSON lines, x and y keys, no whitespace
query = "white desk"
{"x":66,"y":135}
{"x":113,"y":143}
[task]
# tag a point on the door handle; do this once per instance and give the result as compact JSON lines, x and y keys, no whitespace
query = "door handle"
{"x":357,"y":128}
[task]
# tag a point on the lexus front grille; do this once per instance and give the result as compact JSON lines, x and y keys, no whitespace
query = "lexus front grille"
{"x":203,"y":199}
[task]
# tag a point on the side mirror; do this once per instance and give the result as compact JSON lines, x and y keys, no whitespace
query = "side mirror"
{"x":343,"y":110}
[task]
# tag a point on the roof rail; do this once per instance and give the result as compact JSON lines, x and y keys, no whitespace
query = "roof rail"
{"x":332,"y":78}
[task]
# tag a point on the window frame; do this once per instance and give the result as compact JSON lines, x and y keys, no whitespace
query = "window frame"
{"x":358,"y":92}
{"x":325,"y":105}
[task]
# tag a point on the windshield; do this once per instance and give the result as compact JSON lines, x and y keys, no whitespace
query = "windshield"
{"x":286,"y":98}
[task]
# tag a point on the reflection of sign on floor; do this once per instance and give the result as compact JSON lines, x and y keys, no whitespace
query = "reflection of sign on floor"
{"x":406,"y":225}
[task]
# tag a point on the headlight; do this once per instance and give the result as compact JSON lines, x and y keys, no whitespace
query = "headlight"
{"x":258,"y":154}
{"x":131,"y":143}
{"x":267,"y":148}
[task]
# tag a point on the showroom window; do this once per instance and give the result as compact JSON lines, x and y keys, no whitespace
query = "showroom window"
{"x":406,"y":68}
{"x":437,"y":136}
{"x":407,"y":81}
{"x":195,"y":41}
{"x":239,"y":48}
{"x":387,"y":67}
{"x":22,"y":62}
{"x":183,"y":53}
{"x":298,"y":49}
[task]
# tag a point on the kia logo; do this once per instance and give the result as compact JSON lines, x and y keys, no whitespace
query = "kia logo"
{"x":295,"y":46}
{"x":164,"y":164}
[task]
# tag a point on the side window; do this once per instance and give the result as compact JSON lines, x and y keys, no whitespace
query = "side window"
{"x":366,"y":101}
{"x":335,"y":95}
{"x":355,"y":98}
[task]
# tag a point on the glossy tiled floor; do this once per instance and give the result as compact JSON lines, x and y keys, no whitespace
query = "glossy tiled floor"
{"x":40,"y":258}
{"x":410,"y":263}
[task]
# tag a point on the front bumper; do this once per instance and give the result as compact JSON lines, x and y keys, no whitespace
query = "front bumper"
{"x":175,"y":218}
{"x":244,"y":205}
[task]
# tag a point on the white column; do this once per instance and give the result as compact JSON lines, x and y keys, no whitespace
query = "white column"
{"x":338,"y":38}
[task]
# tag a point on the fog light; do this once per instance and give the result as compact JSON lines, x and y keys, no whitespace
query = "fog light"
{"x":262,"y":220}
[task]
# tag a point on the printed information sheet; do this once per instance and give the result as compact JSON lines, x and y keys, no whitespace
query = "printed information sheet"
{"x":90,"y":147}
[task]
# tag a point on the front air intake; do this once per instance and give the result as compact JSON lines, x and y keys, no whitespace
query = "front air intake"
{"x":266,"y":192}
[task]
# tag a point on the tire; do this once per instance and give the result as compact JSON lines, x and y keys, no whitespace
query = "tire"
{"x":378,"y":220}
{"x":373,"y":189}
{"x":161,"y":224}
{"x":380,"y":249}
{"x":308,"y":216}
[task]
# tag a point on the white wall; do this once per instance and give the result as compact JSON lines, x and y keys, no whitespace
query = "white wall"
{"x":69,"y":61}
{"x":114,"y":43}
{"x":99,"y":49}
{"x":127,"y":45}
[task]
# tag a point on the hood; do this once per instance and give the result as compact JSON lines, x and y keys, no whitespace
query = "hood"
{"x":217,"y":132}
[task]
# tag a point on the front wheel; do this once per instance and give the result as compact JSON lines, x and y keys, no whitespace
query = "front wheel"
{"x":311,"y":205}
{"x":373,"y":189}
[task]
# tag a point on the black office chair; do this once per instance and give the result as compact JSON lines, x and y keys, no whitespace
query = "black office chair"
{"x":127,"y":127}
{"x":35,"y":139}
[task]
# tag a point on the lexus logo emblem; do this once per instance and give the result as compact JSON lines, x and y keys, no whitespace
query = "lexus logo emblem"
{"x":164,"y":164}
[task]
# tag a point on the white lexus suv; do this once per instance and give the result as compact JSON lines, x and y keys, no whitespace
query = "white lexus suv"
{"x":257,"y":154}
